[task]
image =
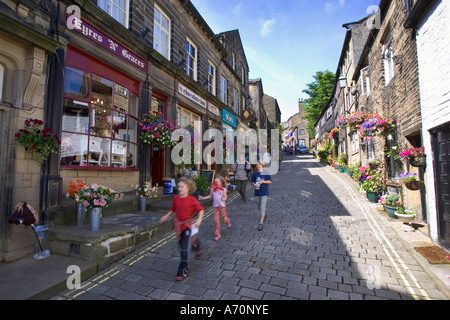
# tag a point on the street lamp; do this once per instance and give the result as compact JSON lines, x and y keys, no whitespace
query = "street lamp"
{"x":342,"y":82}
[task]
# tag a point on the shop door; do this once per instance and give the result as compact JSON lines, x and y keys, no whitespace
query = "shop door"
{"x":157,"y":165}
{"x":442,"y":163}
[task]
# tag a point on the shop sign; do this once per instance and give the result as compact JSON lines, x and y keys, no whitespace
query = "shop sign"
{"x":228,"y":118}
{"x":191,"y":95}
{"x":214,"y":110}
{"x":88,"y":31}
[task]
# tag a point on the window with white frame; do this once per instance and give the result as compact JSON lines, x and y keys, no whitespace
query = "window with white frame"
{"x":355,"y":141}
{"x":211,"y":78}
{"x":186,"y":117}
{"x":118,"y":9}
{"x":223,"y":90}
{"x":191,"y":60}
{"x":234,"y":61}
{"x":388,"y":59}
{"x":2,"y":79}
{"x":236,"y":102}
{"x":161,"y":33}
{"x":365,"y":82}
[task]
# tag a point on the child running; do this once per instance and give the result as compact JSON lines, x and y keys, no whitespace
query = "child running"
{"x":261,"y":181}
{"x":185,"y":205}
{"x":219,"y":195}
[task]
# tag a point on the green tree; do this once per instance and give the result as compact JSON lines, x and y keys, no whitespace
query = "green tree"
{"x":319,"y":92}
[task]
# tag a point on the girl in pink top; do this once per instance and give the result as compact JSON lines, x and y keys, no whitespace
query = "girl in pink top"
{"x":219,"y":195}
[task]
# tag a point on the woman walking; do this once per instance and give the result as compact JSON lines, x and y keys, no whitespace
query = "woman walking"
{"x":261,"y":181}
{"x":241,"y":166}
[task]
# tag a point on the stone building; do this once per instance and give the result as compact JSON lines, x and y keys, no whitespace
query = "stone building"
{"x":90,"y":70}
{"x":27,"y":43}
{"x":296,"y":133}
{"x":387,"y":73}
{"x":347,"y":140}
{"x":430,"y":22}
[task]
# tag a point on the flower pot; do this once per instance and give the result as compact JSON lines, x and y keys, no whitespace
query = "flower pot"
{"x":341,"y":169}
{"x":142,"y":204}
{"x":418,"y":161}
{"x":81,"y":214}
{"x":96,"y":215}
{"x":372,"y":196}
{"x":390,"y":211}
{"x":405,"y":217}
{"x":414,"y":185}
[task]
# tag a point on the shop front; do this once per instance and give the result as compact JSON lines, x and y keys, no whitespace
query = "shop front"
{"x":229,"y":126}
{"x":103,"y":82}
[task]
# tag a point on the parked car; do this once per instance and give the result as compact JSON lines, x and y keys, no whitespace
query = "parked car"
{"x":303,"y":150}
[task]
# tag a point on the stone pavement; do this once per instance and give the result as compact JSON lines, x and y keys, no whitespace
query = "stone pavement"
{"x":322,"y":240}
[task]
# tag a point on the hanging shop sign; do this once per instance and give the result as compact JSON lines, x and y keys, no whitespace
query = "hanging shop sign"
{"x":228,"y":118}
{"x":88,"y":31}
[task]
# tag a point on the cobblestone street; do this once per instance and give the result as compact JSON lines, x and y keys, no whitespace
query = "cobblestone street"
{"x":322,"y":240}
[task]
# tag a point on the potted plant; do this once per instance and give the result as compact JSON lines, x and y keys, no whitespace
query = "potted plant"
{"x":411,"y":181}
{"x":145,"y":191}
{"x":342,"y":162}
{"x":416,"y":156}
{"x":404,"y":214}
{"x":96,"y":197}
{"x":390,"y":203}
{"x":73,"y":189}
{"x":42,"y":142}
{"x":374,"y":185}
{"x":202,"y":184}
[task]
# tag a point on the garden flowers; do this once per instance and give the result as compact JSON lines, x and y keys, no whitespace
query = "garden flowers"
{"x":94,"y":196}
{"x":412,"y":153}
{"x":74,"y":188}
{"x":42,"y":141}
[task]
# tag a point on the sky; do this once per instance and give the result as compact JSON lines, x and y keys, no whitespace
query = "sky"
{"x":286,"y":41}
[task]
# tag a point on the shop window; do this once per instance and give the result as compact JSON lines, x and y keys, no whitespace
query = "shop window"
{"x":118,"y":9}
{"x":99,"y":127}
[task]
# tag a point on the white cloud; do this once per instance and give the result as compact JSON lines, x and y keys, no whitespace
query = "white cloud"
{"x":266,"y":26}
{"x":331,"y":6}
{"x":237,"y":9}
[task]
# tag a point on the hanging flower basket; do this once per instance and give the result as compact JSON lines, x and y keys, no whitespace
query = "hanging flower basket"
{"x":414,"y":185}
{"x":375,"y":125}
{"x":157,"y":131}
{"x":416,"y":156}
{"x":420,"y":161}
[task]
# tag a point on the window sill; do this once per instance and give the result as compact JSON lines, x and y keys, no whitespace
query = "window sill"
{"x":94,"y":168}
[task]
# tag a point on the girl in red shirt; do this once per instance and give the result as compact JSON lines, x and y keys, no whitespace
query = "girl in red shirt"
{"x":185,"y":205}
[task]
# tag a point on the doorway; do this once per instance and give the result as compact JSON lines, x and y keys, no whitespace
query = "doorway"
{"x":442,"y":166}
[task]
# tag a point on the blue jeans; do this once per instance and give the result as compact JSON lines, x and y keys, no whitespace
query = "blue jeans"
{"x":261,"y":202}
{"x":185,"y":250}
